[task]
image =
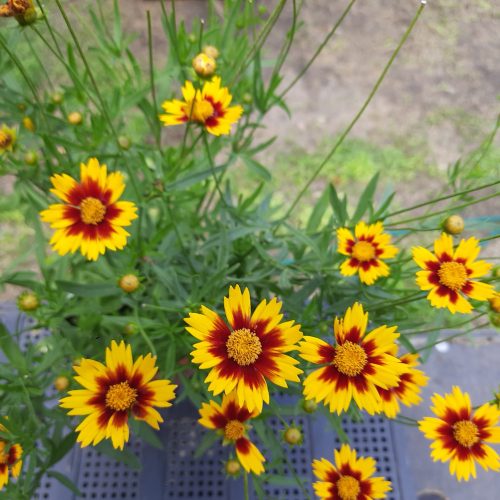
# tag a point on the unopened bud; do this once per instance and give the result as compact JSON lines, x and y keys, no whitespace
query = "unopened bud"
{"x":75,"y":118}
{"x":232,"y":467}
{"x":211,"y":51}
{"x":61,"y":383}
{"x":204,"y":65}
{"x":129,"y":283}
{"x":454,"y":224}
{"x":130,"y":329}
{"x":309,"y":405}
{"x":495,"y":302}
{"x":28,"y":301}
{"x":31,"y":158}
{"x":124,"y":142}
{"x":29,"y":124}
{"x":293,"y":436}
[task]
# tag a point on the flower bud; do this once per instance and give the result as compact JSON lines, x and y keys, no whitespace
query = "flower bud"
{"x":124,"y":142}
{"x":495,"y":320}
{"x":232,"y":467}
{"x":28,"y":301}
{"x":211,"y":51}
{"x":129,"y":283}
{"x":495,"y":302}
{"x":29,"y":124}
{"x":293,"y":436}
{"x":61,"y":383}
{"x":454,"y":224}
{"x":75,"y":118}
{"x":57,"y":98}
{"x":247,"y":98}
{"x":130,"y":329}
{"x":204,"y":65}
{"x":192,"y":38}
{"x":31,"y":158}
{"x":309,"y":405}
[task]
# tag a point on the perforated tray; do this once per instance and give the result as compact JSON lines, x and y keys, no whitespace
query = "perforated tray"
{"x":174,"y":473}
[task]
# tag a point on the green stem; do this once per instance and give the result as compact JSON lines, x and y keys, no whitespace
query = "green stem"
{"x":104,"y":108}
{"x":245,"y":486}
{"x":405,"y":300}
{"x":318,"y":50}
{"x":212,"y":166}
{"x":143,"y":333}
{"x":428,"y":330}
{"x":439,"y":212}
{"x":441,"y":198}
{"x":451,"y":337}
{"x":354,"y":120}
{"x":156,"y":129}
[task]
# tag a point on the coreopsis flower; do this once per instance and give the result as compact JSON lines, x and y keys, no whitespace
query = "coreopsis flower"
{"x":15,"y":8}
{"x":208,"y":107}
{"x":248,"y":352}
{"x":7,"y":139}
{"x":460,"y":436}
{"x":113,"y":392}
{"x":355,"y":366}
{"x":230,"y":420}
{"x":495,"y":302}
{"x":351,"y":478}
{"x":408,"y":389}
{"x":10,"y":460}
{"x":449,"y":275}
{"x":367,"y":250}
{"x":92,"y":217}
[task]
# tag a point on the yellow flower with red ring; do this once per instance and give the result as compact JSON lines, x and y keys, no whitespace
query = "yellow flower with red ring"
{"x":231,"y":420}
{"x":249,"y":351}
{"x":460,"y":436}
{"x":367,"y":249}
{"x":115,"y":391}
{"x":448,"y":274}
{"x":7,"y":139}
{"x":408,"y":389}
{"x":355,"y":367}
{"x":350,"y":478}
{"x":209,"y":107}
{"x":10,"y":459}
{"x":92,"y":217}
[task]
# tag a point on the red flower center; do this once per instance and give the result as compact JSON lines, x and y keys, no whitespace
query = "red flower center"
{"x":121,"y":397}
{"x":466,"y":433}
{"x":5,"y":140}
{"x":350,"y":359}
{"x":452,"y":275}
{"x":363,"y":251}
{"x":92,"y":210}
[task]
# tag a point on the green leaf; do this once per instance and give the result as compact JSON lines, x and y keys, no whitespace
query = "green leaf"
{"x":365,"y":199}
{"x":318,"y":212}
{"x":62,"y":449}
{"x":338,"y":207}
{"x":192,"y":179}
{"x":64,"y":481}
{"x":88,"y":290}
{"x":11,"y":349}
{"x":257,"y":168}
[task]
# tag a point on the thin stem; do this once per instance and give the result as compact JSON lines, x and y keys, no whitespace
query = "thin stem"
{"x":354,"y":120}
{"x":245,"y":486}
{"x":451,"y":337}
{"x":104,"y":108}
{"x":405,"y":300}
{"x":318,"y":50}
{"x":212,"y":166}
{"x":439,"y":212}
{"x":441,"y":198}
{"x":157,"y":130}
{"x":51,"y":31}
{"x":143,"y":333}
{"x":428,"y":330}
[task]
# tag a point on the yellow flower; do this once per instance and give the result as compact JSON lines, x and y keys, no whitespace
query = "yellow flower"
{"x":460,"y":436}
{"x":115,"y":391}
{"x":7,"y":139}
{"x":10,"y":460}
{"x":230,"y":420}
{"x":367,"y":250}
{"x":250,"y":351}
{"x":210,"y":108}
{"x":204,"y":65}
{"x":351,"y":478}
{"x":355,"y":367}
{"x":407,"y":391}
{"x":448,"y":275}
{"x":91,"y":218}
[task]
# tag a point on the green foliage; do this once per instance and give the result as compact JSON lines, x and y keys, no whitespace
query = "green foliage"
{"x":208,"y":215}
